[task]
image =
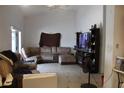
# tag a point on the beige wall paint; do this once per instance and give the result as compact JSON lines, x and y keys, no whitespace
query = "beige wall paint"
{"x":9,"y":15}
{"x":118,"y":37}
{"x":119,"y":31}
{"x":114,"y":27}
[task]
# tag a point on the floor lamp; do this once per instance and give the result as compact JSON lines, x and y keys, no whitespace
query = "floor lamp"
{"x":88,"y":84}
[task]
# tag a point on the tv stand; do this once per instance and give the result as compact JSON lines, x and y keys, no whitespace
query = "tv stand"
{"x":94,"y":48}
{"x":81,"y":56}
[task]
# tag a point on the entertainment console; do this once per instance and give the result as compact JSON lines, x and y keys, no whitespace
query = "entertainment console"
{"x":86,"y":48}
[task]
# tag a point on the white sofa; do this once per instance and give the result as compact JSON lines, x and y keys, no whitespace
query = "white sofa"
{"x":42,"y":80}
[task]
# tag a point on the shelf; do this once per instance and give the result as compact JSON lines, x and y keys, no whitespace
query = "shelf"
{"x":94,"y":48}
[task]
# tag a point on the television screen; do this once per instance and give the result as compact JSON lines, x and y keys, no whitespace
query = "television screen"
{"x":84,"y":40}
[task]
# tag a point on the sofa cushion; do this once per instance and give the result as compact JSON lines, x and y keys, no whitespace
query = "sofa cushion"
{"x":45,"y":49}
{"x":34,"y":51}
{"x":47,"y":56}
{"x":54,"y":50}
{"x":67,"y":58}
{"x":63,"y":50}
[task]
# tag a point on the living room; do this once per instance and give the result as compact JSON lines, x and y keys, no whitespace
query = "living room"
{"x":67,"y":20}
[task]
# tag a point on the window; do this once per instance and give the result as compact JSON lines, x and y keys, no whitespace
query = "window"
{"x":16,"y":39}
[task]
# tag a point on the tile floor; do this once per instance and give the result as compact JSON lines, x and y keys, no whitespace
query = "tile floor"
{"x":70,"y":76}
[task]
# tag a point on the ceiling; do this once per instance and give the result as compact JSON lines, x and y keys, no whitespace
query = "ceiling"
{"x":37,"y":9}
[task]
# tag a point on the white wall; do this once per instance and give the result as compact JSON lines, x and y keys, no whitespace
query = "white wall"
{"x":9,"y":15}
{"x":89,"y":15}
{"x":53,"y":22}
{"x":109,"y":41}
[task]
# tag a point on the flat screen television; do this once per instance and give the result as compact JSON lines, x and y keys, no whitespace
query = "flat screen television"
{"x":84,"y":40}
